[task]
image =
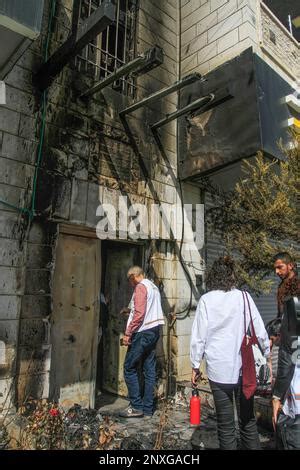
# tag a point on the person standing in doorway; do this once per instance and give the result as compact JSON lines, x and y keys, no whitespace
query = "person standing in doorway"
{"x":141,"y":336}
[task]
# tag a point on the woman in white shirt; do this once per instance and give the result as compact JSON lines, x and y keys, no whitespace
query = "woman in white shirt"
{"x":217,"y":335}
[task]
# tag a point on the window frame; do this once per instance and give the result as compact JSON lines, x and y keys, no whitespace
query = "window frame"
{"x":101,"y":57}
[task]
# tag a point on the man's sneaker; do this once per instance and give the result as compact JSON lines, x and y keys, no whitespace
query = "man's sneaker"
{"x":130,"y":412}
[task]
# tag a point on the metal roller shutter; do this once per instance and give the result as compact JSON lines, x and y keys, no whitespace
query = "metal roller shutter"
{"x":266,"y":303}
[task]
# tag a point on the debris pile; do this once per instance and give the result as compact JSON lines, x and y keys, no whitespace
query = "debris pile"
{"x":50,"y":427}
{"x":45,"y":425}
{"x":88,"y":429}
{"x":4,"y":437}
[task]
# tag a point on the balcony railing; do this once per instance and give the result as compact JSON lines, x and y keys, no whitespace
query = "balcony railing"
{"x":277,"y":42}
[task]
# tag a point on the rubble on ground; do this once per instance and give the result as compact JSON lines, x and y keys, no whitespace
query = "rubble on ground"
{"x":47,"y":426}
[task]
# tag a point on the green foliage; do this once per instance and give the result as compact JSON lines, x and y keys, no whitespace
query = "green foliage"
{"x":260,"y":217}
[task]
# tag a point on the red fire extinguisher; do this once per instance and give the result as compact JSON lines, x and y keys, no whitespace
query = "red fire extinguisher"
{"x":195,"y":408}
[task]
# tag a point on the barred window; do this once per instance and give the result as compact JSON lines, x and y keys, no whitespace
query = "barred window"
{"x":111,"y":49}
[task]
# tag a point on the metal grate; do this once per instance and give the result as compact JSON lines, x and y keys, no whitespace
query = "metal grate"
{"x":113,"y":47}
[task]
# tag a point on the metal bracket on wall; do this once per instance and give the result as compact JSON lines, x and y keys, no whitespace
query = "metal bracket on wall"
{"x":202,"y":104}
{"x":150,"y":59}
{"x":178,"y":85}
{"x":189,"y":79}
{"x":204,"y":100}
{"x":80,"y":37}
{"x":199,"y":106}
{"x":15,"y":56}
{"x":205,"y":103}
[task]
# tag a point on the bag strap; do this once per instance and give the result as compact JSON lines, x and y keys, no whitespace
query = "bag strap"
{"x":249,"y":308}
{"x":245,"y":331}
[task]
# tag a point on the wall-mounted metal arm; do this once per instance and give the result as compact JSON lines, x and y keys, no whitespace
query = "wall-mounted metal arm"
{"x":15,"y":56}
{"x":193,"y":77}
{"x":75,"y":15}
{"x":187,"y":109}
{"x":94,"y":25}
{"x":204,"y":103}
{"x":134,"y":66}
{"x":120,"y":72}
{"x":220,"y":96}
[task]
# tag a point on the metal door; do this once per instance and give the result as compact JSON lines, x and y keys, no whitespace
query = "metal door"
{"x":119,"y":258}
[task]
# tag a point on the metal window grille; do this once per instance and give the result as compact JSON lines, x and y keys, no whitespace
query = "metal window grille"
{"x":113,"y":47}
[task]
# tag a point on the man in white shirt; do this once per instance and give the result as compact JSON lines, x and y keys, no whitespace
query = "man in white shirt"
{"x":141,"y":336}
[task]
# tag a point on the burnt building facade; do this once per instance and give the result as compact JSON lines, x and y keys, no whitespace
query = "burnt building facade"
{"x":89,"y":153}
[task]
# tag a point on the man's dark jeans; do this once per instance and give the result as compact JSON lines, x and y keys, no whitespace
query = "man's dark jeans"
{"x":288,"y":432}
{"x":223,"y":398}
{"x":141,"y":349}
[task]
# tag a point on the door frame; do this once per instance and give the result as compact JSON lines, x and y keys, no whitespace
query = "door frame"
{"x":113,"y":245}
{"x":77,"y":230}
{"x":89,"y":232}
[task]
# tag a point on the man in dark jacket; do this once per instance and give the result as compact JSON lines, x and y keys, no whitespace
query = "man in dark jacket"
{"x":286,"y":393}
{"x":285,"y":268}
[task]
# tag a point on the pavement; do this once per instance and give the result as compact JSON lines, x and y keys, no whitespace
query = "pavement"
{"x":169,"y":428}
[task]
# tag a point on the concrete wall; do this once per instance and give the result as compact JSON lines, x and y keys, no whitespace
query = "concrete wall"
{"x":193,"y":256}
{"x":17,"y":156}
{"x":278,"y":47}
{"x":87,"y":159}
{"x":214,"y":31}
{"x":176,"y":287}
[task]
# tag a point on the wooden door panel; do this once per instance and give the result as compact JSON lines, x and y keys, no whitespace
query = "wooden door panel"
{"x":75,"y":320}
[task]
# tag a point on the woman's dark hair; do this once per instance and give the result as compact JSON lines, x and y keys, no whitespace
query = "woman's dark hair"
{"x":273,"y":327}
{"x":221,"y":275}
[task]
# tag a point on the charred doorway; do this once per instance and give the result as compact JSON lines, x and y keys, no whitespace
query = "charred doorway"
{"x":116,"y":259}
{"x":75,"y":318}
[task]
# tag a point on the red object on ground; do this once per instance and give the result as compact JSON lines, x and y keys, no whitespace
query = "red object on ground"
{"x":195,"y":408}
{"x":54,"y":412}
